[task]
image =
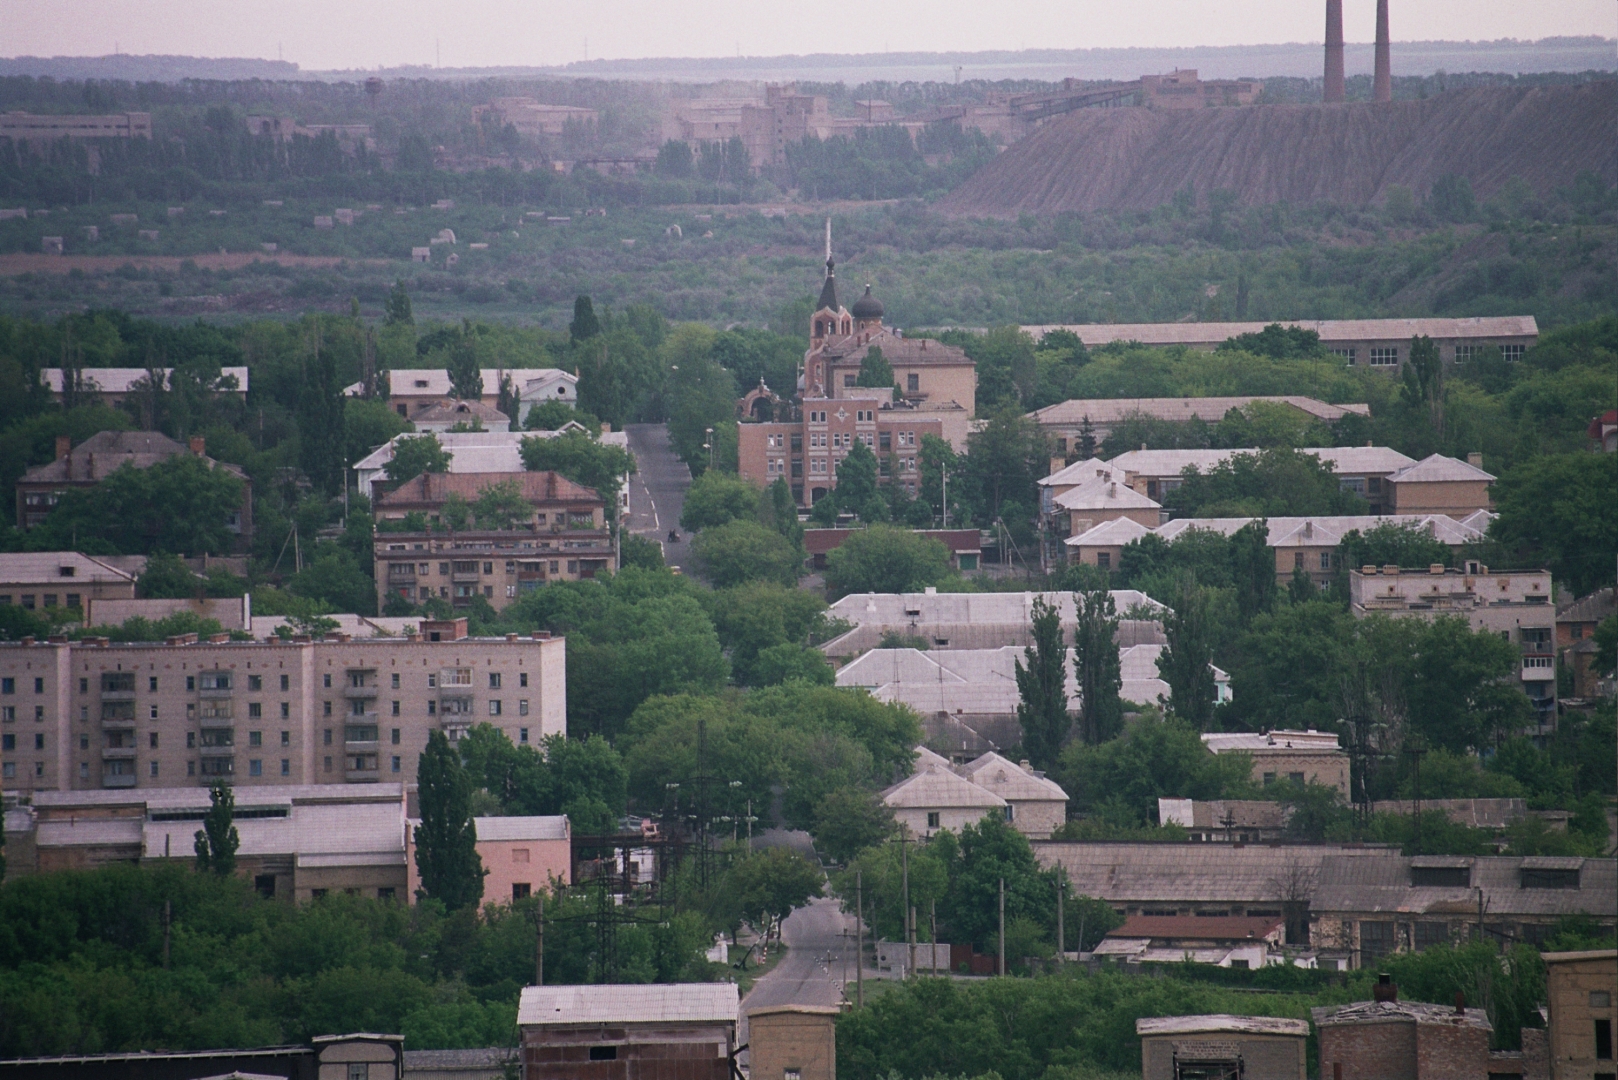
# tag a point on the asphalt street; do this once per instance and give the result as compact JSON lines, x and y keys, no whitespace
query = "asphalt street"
{"x":818,"y":956}
{"x":657,"y":491}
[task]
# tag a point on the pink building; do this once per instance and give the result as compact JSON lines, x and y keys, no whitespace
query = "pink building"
{"x":521,"y":854}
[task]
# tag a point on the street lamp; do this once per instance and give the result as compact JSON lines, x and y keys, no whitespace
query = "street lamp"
{"x":708,"y":446}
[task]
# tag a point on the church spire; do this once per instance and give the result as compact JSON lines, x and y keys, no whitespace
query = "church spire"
{"x":828,"y":291}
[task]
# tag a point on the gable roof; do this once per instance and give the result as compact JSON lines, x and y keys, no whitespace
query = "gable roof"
{"x":1115,"y":533}
{"x":690,"y":1003}
{"x":1105,"y":494}
{"x":431,"y":489}
{"x":105,"y":452}
{"x":1331,"y":331}
{"x":1593,"y":608}
{"x":121,"y":380}
{"x":1011,"y":781}
{"x":938,"y":787}
{"x":1208,"y":409}
{"x":434,"y":382}
{"x":1081,"y":472}
{"x":1435,"y":468}
{"x":1322,"y":531}
{"x":460,"y":412}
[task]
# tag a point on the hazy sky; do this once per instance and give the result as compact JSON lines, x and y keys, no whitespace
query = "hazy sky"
{"x":324,"y":34}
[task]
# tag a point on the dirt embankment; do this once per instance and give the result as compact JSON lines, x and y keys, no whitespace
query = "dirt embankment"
{"x":1101,"y":159}
{"x":23,"y":262}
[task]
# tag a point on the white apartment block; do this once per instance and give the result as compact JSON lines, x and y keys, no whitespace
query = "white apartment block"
{"x":90,"y":715}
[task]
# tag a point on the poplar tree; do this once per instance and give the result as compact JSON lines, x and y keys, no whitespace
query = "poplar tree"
{"x":1041,"y":687}
{"x":1184,"y":661}
{"x":446,"y":840}
{"x":1096,"y":667}
{"x":217,"y":840}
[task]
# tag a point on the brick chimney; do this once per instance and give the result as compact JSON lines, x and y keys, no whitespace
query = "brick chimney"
{"x":198,"y":445}
{"x":1382,"y":78}
{"x":1385,"y":989}
{"x":1334,"y":52}
{"x":64,"y":446}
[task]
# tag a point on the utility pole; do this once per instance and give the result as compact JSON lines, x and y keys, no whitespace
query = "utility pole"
{"x":944,"y":498}
{"x":1416,"y":748}
{"x":539,"y":943}
{"x":909,"y":913}
{"x":1002,"y":926}
{"x":933,"y":934}
{"x":911,"y":938}
{"x":859,"y":939}
{"x":1061,"y":914}
{"x":168,"y":921}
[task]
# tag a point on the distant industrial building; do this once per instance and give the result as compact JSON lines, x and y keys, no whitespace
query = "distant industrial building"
{"x":1581,"y":990}
{"x":533,"y":119}
{"x":35,"y":128}
{"x":1380,"y":344}
{"x":1181,"y":89}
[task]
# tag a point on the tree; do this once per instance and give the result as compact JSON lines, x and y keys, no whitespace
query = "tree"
{"x":885,"y":559}
{"x":465,"y":372}
{"x":790,"y":662}
{"x":1277,"y":342}
{"x":715,"y":498}
{"x":585,"y":325}
{"x":1005,"y":458}
{"x":848,"y":821}
{"x":674,"y":160}
{"x":741,"y":551}
{"x":552,"y":415}
{"x":1185,"y":662}
{"x":875,"y":371}
{"x":1096,"y":667}
{"x":992,"y":851}
{"x":1253,"y":569}
{"x":1557,"y":511}
{"x":856,"y":479}
{"x":320,"y":416}
{"x":183,"y":505}
{"x":1276,"y":482}
{"x":1120,"y":781}
{"x":1424,"y":380}
{"x":502,"y":506}
{"x":166,"y":577}
{"x":1041,"y":688}
{"x":398,"y":308}
{"x":368,"y":425}
{"x":217,"y":840}
{"x":416,"y":455}
{"x":583,"y":459}
{"x":447,"y":857}
{"x":771,"y":884}
{"x":1392,"y":544}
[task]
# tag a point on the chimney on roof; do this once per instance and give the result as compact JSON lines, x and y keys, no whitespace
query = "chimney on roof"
{"x":1382,"y":79}
{"x":1334,"y":52}
{"x":198,"y":445}
{"x":1460,"y":1003}
{"x":1475,"y":459}
{"x":64,"y":446}
{"x":1384,"y":990}
{"x":550,"y":485}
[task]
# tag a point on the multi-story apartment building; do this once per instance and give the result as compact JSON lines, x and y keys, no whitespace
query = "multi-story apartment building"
{"x":806,"y":452}
{"x":90,"y":714}
{"x":1516,"y":604}
{"x":563,"y":538}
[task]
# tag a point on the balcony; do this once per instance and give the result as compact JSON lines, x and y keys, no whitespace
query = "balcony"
{"x":118,"y":780}
{"x":404,"y":575}
{"x":118,"y":695}
{"x":362,"y":767}
{"x":118,"y":753}
{"x":213,"y":718}
{"x":212,"y":692}
{"x":360,"y":693}
{"x":464,"y":577}
{"x":1538,"y":668}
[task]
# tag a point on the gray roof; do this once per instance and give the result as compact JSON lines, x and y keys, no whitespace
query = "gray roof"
{"x":103,"y":453}
{"x":1011,"y":781}
{"x":1593,"y":608}
{"x":934,"y":787}
{"x":1192,"y":873}
{"x":552,"y":827}
{"x":1383,"y":886}
{"x":1221,"y":1023}
{"x":692,"y":1003}
{"x":1323,"y":531}
{"x":1331,"y":331}
{"x":1104,"y":494}
{"x":1104,"y":411}
{"x":121,"y":380}
{"x":1435,"y":468}
{"x":1383,"y":1012}
{"x":1082,"y":472}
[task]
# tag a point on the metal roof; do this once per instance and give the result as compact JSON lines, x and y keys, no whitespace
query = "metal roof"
{"x":1102,"y":493}
{"x":1383,"y":885}
{"x":900,"y":609}
{"x":1221,"y":1024}
{"x":1436,"y":468}
{"x":935,"y":787}
{"x":1223,"y":742}
{"x":1147,"y":873}
{"x":403,"y":382}
{"x":1344,"y":460}
{"x":690,"y":1003}
{"x":1323,"y":531}
{"x":1106,"y":411}
{"x":553,"y":827}
{"x":1331,"y":331}
{"x":1209,"y":928}
{"x":1011,"y":781}
{"x":1081,"y":472}
{"x":121,"y":380}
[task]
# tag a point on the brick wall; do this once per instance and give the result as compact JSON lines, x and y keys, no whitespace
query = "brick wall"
{"x":1368,"y":1052}
{"x":1451,"y":1053}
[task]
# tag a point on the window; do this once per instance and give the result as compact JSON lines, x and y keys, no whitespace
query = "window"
{"x":520,"y":890}
{"x":154,"y":768}
{"x":286,"y":766}
{"x":848,"y":380}
{"x":1514,"y":352}
{"x":326,"y":765}
{"x":325,"y":739}
{"x":255,"y":738}
{"x":603,"y":1053}
{"x":396,"y":709}
{"x":1429,"y":934}
{"x":151,"y":683}
{"x":9,"y":742}
{"x":1550,"y":879}
{"x":1269,"y":778}
{"x":397,"y":764}
{"x":1442,"y":877}
{"x":9,"y":771}
{"x":151,"y":711}
{"x":1604,"y":1039}
{"x":912,"y":384}
{"x":494,"y":680}
{"x":286,"y":682}
{"x":932,"y":819}
{"x":8,"y":714}
{"x":1385,"y":356}
{"x":39,"y":686}
{"x":286,"y":738}
{"x":1104,"y":560}
{"x":1600,"y":999}
{"x":326,"y":680}
{"x":286,"y":710}
{"x":255,"y":682}
{"x":1297,"y":560}
{"x":494,"y":707}
{"x":325,"y":708}
{"x":522,"y":707}
{"x":8,"y":686}
{"x":1376,"y":941}
{"x":190,"y":740}
{"x":255,"y":767}
{"x":39,"y":714}
{"x":1325,"y":560}
{"x":522,"y":735}
{"x":394,"y":736}
{"x":1295,"y":777}
{"x":254,"y":710}
{"x":358,"y":1070}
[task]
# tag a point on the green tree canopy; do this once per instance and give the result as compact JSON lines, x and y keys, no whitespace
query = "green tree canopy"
{"x":741,"y":551}
{"x":1096,"y":666}
{"x":583,"y":459}
{"x":1276,"y":482}
{"x":875,"y":371}
{"x":416,"y":455}
{"x":885,"y":559}
{"x":217,"y":840}
{"x":1557,"y":511}
{"x":182,"y":505}
{"x":446,"y":840}
{"x":715,"y":498}
{"x":1041,"y":687}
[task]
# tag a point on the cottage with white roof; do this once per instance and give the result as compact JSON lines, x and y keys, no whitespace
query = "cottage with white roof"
{"x":414,"y":390}
{"x":934,"y":798}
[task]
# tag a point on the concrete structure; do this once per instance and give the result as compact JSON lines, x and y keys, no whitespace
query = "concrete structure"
{"x":484,"y":1063}
{"x":1364,"y":910}
{"x":678,"y":1031}
{"x":1580,"y":988}
{"x":461,"y":416}
{"x":792,"y":1042}
{"x":934,"y":798}
{"x":1333,"y":88}
{"x":965,"y":545}
{"x":114,"y":386}
{"x":104,"y":453}
{"x":1228,"y":821}
{"x":1440,"y":485}
{"x":1181,"y":89}
{"x":476,"y":452}
{"x":523,"y":856}
{"x":949,"y":621}
{"x":1382,"y":71}
{"x":1248,"y":1047}
{"x":1309,"y":544}
{"x":412,"y":390}
{"x":766,"y":128}
{"x":20,"y":126}
{"x":565,"y":537}
{"x":1303,"y":757}
{"x":1225,"y":941}
{"x":1380,"y":344}
{"x":805,"y":451}
{"x":533,"y":119}
{"x":1516,"y":604}
{"x":40,"y":580}
{"x":1403,"y":1040}
{"x":88,"y":714}
{"x":360,"y":1056}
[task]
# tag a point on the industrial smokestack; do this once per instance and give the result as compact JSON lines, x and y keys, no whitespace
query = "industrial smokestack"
{"x":1382,"y":81}
{"x":1334,"y":52}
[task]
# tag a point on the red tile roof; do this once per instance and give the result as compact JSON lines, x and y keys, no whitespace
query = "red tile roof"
{"x":431,"y":489}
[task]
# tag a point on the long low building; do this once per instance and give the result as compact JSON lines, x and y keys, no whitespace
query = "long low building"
{"x":1380,"y":344}
{"x":1073,"y":421}
{"x":89,"y":714}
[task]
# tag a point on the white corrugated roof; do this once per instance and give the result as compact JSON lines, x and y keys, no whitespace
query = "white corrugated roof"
{"x":1081,"y":472}
{"x":1331,"y":331}
{"x":655,"y":1003}
{"x":1323,"y":531}
{"x":1113,"y":533}
{"x":1172,"y":462}
{"x":434,"y":382}
{"x":1011,"y":781}
{"x":1435,"y":468}
{"x":894,"y":609}
{"x":552,"y":827}
{"x":120,"y":380}
{"x":1105,"y":494}
{"x":937,"y":787}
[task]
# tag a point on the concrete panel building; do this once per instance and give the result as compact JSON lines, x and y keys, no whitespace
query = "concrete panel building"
{"x":90,"y":715}
{"x":41,"y":580}
{"x":679,"y":1031}
{"x":1378,"y":344}
{"x":1251,"y":1047}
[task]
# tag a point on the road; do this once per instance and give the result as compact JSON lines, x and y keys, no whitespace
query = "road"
{"x":812,"y":971}
{"x":657,"y":491}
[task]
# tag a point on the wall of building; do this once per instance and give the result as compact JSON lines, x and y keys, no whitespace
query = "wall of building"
{"x":1263,"y":1057}
{"x":1569,"y":984}
{"x":1330,"y":769}
{"x":643,"y":1052}
{"x":531,"y":863}
{"x":290,"y":713}
{"x":795,"y":1045}
{"x":953,"y":818}
{"x":1457,"y":498}
{"x":1037,"y":819}
{"x":1369,"y":1051}
{"x":497,"y":566}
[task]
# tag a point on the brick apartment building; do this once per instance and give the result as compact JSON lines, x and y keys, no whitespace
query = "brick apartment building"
{"x":564,"y":538}
{"x":90,"y":715}
{"x":803,"y":441}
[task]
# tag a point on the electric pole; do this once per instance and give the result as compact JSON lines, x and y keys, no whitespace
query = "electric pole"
{"x":1002,"y":926}
{"x":1061,"y":912}
{"x":859,"y":939}
{"x":539,"y":942}
{"x":909,"y":913}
